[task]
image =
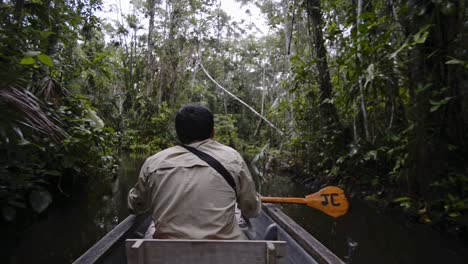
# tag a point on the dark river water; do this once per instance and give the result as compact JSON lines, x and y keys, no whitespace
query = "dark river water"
{"x":363,"y":233}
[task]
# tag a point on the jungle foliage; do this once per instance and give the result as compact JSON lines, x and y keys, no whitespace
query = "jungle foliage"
{"x":51,"y":138}
{"x":370,"y":95}
{"x":398,"y":75}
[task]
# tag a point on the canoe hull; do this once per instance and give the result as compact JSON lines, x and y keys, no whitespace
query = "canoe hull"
{"x":271,"y":224}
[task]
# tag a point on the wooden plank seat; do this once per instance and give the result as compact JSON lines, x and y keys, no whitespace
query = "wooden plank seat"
{"x":149,"y":251}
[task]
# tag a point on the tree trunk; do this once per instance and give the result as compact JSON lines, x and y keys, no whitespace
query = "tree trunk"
{"x":328,"y":111}
{"x":288,"y":29}
{"x":360,"y":81}
{"x":149,"y":53}
{"x":438,"y":144}
{"x":259,"y":124}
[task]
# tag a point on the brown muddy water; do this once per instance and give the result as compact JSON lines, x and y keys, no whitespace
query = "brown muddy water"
{"x":361,"y":236}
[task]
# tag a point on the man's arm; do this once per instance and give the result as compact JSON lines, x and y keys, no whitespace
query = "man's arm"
{"x":138,"y":195}
{"x":249,"y":201}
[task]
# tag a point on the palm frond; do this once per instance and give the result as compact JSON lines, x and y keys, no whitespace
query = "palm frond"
{"x":49,"y":90}
{"x":19,"y":107}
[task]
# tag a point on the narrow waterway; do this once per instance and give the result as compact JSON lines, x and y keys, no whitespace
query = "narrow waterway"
{"x":67,"y":232}
{"x":367,"y":235}
{"x":364,"y":234}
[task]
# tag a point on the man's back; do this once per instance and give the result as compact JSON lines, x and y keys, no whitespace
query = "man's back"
{"x":189,"y":199}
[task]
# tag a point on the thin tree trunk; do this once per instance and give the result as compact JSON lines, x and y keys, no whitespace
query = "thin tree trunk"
{"x":149,"y":53}
{"x":360,"y":81}
{"x":288,"y":28}
{"x":328,"y":111}
{"x":257,"y":130}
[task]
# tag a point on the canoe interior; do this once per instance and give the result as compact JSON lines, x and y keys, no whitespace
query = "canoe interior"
{"x":264,"y":228}
{"x":170,"y":251}
{"x":271,"y":224}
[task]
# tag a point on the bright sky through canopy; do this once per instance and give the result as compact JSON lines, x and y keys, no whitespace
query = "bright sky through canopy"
{"x":238,"y":12}
{"x":250,"y":13}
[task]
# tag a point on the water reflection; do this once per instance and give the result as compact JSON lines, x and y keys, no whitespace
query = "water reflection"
{"x":68,"y":231}
{"x":366,"y":235}
{"x":352,"y":247}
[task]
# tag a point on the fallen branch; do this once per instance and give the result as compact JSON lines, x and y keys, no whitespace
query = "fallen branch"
{"x":242,"y":102}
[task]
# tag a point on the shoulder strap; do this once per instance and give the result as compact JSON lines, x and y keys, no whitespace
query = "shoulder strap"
{"x":215,"y":164}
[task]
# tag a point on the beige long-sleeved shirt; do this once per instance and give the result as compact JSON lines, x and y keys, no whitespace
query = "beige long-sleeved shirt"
{"x":188,"y":199}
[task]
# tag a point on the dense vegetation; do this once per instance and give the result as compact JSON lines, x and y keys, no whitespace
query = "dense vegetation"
{"x":370,"y":95}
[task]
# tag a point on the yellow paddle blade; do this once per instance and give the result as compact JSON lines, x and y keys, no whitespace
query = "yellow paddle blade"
{"x":331,"y":200}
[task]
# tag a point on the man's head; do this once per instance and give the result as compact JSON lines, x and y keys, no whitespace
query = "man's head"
{"x":194,"y":122}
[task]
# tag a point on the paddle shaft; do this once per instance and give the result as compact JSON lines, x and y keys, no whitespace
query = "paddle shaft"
{"x":292,"y":200}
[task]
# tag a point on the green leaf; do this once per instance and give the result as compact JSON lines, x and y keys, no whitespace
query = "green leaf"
{"x":371,"y":155}
{"x":394,"y":54}
{"x":421,"y":36}
{"x":44,"y":34}
{"x":40,"y":200}
{"x":434,"y":108}
{"x":402,"y":199}
{"x":45,"y":59}
{"x":99,"y":57}
{"x":436,"y":105}
{"x":27,"y":61}
{"x":454,"y":214}
{"x":455,"y":61}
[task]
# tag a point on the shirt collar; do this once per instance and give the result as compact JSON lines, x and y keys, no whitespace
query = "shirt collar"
{"x":199,"y":143}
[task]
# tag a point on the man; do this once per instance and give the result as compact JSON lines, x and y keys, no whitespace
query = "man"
{"x":187,"y":197}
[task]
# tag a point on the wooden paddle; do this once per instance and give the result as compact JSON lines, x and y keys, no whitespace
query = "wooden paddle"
{"x":331,"y":200}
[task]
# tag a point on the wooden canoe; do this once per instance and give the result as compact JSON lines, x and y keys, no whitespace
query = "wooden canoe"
{"x":271,"y":225}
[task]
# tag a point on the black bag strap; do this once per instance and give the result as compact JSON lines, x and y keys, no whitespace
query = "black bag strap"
{"x":215,"y":164}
